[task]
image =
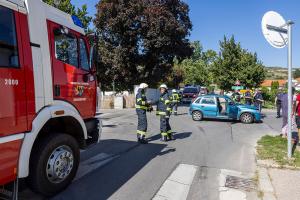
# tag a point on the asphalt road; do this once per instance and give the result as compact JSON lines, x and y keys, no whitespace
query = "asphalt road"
{"x":119,"y":168}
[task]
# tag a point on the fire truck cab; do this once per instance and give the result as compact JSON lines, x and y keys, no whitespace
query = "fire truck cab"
{"x":48,"y":94}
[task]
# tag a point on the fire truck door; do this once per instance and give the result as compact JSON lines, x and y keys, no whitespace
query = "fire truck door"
{"x":13,"y":108}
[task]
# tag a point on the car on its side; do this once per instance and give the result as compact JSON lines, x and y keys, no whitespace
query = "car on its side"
{"x":223,"y":107}
{"x":189,"y":93}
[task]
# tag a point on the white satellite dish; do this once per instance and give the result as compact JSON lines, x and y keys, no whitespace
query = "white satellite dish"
{"x":274,"y":29}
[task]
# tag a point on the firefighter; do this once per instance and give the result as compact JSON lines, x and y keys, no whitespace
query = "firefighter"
{"x":248,"y":97}
{"x":236,"y":96}
{"x":175,"y":101}
{"x":142,"y":106}
{"x":164,"y":110}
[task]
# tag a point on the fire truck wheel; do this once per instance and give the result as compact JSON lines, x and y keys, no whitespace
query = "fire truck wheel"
{"x":53,"y":164}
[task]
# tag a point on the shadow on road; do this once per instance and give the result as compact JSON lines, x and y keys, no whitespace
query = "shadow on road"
{"x":109,"y":126}
{"x":176,"y":136}
{"x":105,"y":181}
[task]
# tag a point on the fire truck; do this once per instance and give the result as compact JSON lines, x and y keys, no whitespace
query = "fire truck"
{"x":48,"y":94}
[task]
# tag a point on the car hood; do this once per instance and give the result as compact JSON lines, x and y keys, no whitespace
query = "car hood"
{"x":243,"y":107}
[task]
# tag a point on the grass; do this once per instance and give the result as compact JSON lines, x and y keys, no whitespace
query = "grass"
{"x":268,"y":105}
{"x":275,"y":148}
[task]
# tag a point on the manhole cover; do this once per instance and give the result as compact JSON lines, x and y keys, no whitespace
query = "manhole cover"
{"x":240,"y":183}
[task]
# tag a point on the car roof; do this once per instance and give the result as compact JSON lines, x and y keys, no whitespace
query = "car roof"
{"x":214,"y":95}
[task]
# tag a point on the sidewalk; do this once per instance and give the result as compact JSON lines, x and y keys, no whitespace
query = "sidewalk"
{"x":280,"y":184}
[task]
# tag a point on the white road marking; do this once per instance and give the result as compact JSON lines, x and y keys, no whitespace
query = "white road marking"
{"x":92,"y":164}
{"x":178,"y":184}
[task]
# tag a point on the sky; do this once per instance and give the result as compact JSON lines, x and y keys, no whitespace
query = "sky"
{"x":212,"y":19}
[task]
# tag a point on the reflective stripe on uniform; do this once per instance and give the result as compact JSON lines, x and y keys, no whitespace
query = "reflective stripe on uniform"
{"x":167,"y":102}
{"x":169,"y":109}
{"x":141,"y":132}
{"x":141,"y":107}
{"x":170,"y":131}
{"x":139,"y":99}
{"x":143,"y":103}
{"x":164,"y":134}
{"x":161,"y":113}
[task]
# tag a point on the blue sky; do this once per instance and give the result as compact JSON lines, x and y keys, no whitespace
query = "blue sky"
{"x":242,"y":18}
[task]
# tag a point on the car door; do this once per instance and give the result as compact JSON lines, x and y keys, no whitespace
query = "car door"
{"x":209,"y":107}
{"x":232,"y":109}
{"x":72,"y":78}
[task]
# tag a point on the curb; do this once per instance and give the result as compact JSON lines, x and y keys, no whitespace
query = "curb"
{"x":265,"y":184}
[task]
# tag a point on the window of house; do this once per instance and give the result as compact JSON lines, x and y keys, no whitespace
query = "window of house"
{"x":9,"y":56}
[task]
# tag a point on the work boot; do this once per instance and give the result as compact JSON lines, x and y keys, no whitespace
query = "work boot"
{"x":138,"y":137}
{"x":143,"y":140}
{"x":164,"y":138}
{"x":171,"y":137}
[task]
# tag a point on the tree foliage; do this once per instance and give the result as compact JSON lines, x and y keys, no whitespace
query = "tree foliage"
{"x":235,"y":63}
{"x":194,"y":70}
{"x":68,"y":7}
{"x":139,"y":40}
{"x":297,"y":73}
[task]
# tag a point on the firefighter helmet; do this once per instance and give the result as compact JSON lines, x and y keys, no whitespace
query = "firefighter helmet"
{"x":163,"y":86}
{"x":143,"y":86}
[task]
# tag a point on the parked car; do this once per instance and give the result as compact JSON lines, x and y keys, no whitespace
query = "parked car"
{"x":189,"y":93}
{"x":222,"y":107}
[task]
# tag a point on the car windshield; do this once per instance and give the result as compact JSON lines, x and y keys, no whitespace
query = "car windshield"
{"x":190,"y":90}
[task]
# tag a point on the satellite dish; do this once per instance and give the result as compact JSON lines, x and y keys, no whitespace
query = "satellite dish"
{"x":273,"y":28}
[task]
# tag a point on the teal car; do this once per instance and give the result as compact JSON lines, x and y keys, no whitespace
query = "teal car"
{"x":223,"y":107}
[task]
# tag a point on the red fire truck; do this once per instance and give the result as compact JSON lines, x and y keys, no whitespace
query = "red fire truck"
{"x":47,"y":95}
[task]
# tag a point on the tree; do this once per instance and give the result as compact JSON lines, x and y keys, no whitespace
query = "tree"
{"x":194,"y":70}
{"x":235,"y":63}
{"x":274,"y":85}
{"x":139,"y":40}
{"x":297,"y":73}
{"x":68,"y":7}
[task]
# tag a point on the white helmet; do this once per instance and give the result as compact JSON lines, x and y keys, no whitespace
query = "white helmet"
{"x":143,"y":86}
{"x":174,"y":90}
{"x":163,"y":86}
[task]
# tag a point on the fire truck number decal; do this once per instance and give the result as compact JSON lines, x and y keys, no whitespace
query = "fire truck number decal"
{"x":11,"y":82}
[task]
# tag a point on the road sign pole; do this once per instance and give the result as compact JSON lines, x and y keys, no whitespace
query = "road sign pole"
{"x":290,"y":95}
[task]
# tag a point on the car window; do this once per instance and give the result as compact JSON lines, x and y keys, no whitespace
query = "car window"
{"x":208,"y":100}
{"x":9,"y":56}
{"x":84,"y":60}
{"x":198,"y":101}
{"x":66,"y":49}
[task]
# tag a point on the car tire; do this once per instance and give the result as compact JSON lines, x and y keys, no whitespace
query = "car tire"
{"x":53,"y":164}
{"x":197,"y":115}
{"x":247,"y":118}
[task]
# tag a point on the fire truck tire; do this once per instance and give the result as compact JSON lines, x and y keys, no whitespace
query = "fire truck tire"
{"x":53,"y":164}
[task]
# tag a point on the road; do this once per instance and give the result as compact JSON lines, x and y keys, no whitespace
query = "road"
{"x":118,"y":168}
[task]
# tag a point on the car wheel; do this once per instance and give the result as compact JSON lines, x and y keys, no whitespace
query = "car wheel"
{"x":53,"y":164}
{"x":197,"y":116}
{"x":247,"y":118}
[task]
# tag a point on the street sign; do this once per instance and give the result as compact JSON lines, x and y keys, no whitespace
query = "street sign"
{"x":274,"y":29}
{"x":278,"y":33}
{"x":237,"y":87}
